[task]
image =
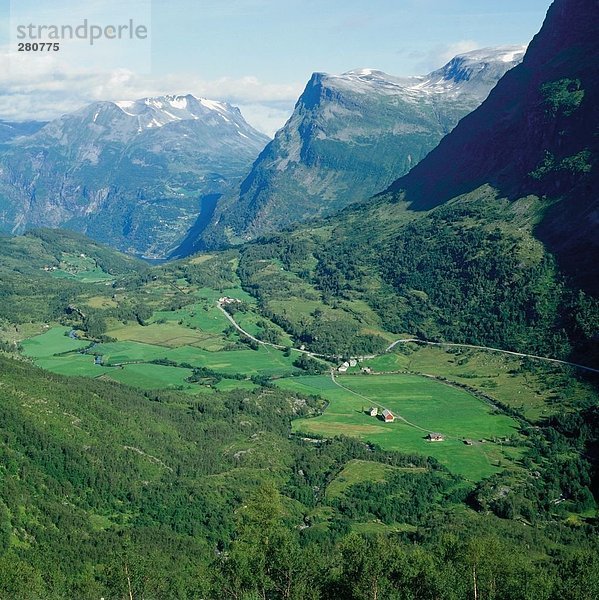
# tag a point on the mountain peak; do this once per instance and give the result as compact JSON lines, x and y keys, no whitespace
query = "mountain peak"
{"x":160,"y":110}
{"x":349,"y":136}
{"x":472,"y":72}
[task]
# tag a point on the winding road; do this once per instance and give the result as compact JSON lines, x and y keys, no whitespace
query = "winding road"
{"x":404,"y":341}
{"x":521,"y":354}
{"x":268,"y":344}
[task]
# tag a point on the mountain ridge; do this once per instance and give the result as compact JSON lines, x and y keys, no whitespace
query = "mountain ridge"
{"x":132,"y":175}
{"x":348,"y":138}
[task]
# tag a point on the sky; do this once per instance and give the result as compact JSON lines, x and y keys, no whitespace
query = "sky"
{"x":255,"y":54}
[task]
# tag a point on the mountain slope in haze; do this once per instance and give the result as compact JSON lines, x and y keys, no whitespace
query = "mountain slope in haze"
{"x":537,"y":133}
{"x":134,"y":175}
{"x":458,"y":249}
{"x":9,"y":130}
{"x":349,"y":137}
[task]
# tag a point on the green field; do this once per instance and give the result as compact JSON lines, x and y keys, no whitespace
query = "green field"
{"x":81,"y":268}
{"x":92,"y":276}
{"x":359,"y":471}
{"x":136,"y":356}
{"x":150,"y":377}
{"x":428,"y":406}
{"x":264,"y":361}
{"x":54,"y":341}
{"x":535,"y":388}
{"x":167,"y":335}
{"x":71,"y":364}
{"x":116,"y":353}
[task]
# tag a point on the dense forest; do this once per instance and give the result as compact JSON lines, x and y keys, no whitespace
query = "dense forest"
{"x":134,"y":483}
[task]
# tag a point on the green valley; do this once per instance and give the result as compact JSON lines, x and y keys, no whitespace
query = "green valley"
{"x":396,"y":402}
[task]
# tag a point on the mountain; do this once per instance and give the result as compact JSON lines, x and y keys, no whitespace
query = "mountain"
{"x":490,"y":240}
{"x":349,"y":137}
{"x":535,"y":134}
{"x":135,"y":175}
{"x":9,"y":131}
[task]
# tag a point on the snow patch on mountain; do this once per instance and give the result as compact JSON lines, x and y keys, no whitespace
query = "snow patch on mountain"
{"x":157,"y":112}
{"x":468,"y":73}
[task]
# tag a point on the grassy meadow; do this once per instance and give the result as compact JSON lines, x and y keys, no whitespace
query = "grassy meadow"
{"x":426,"y":405}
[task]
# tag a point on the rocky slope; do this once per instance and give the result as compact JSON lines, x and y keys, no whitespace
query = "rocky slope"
{"x":349,"y":137}
{"x":135,"y":175}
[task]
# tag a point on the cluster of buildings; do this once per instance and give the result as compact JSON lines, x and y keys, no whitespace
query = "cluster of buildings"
{"x":386,"y":414}
{"x":346,"y":365}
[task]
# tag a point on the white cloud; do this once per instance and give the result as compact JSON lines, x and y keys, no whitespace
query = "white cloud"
{"x":45,"y":86}
{"x":439,"y":55}
{"x":446,"y":52}
{"x":266,"y":118}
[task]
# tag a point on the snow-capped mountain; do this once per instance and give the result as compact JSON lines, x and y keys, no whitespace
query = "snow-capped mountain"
{"x":134,"y":174}
{"x":474,"y":73}
{"x":156,"y":112}
{"x":349,"y":137}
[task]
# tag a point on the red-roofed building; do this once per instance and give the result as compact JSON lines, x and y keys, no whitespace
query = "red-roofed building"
{"x":388,"y":416}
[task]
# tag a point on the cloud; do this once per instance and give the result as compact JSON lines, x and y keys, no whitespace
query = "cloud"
{"x":266,"y":118}
{"x":46,"y":86}
{"x":439,"y":55}
{"x":445,"y":53}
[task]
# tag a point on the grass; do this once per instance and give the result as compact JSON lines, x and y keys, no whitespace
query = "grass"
{"x":54,"y":341}
{"x":167,"y":335}
{"x":72,"y":364}
{"x":95,"y":276}
{"x":427,"y":404}
{"x":232,"y":292}
{"x":101,"y":302}
{"x":359,"y":471}
{"x":530,"y":391}
{"x":264,"y":361}
{"x":150,"y":377}
{"x":81,"y":268}
{"x":248,"y":321}
{"x":115,"y":353}
{"x":226,"y":385}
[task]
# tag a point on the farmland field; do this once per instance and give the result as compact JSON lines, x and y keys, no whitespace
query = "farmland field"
{"x":74,"y":364}
{"x":428,"y":406}
{"x":150,"y":377}
{"x":138,"y":346}
{"x":167,"y":335}
{"x":525,"y":386}
{"x":53,"y":341}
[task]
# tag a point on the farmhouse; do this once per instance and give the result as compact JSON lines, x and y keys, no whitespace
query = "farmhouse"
{"x":227,"y":300}
{"x":388,"y":416}
{"x":374,"y":411}
{"x":367,"y":370}
{"x":353,"y":362}
{"x":343,"y":368}
{"x":435,"y":437}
